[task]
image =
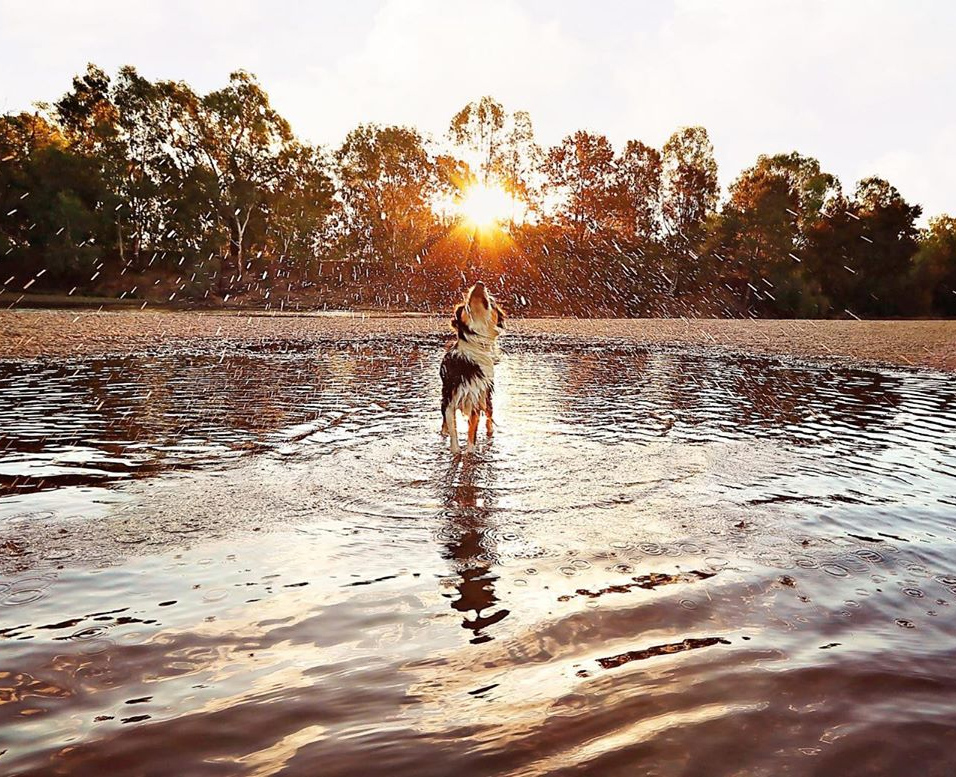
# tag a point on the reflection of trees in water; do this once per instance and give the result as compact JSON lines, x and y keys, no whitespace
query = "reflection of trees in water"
{"x":131,"y":407}
{"x":644,"y":393}
{"x":468,"y":544}
{"x":188,"y":396}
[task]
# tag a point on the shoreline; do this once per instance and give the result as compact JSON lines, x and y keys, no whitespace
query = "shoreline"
{"x":58,"y":333}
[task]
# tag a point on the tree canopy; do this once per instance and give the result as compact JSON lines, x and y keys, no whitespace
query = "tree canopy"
{"x":145,"y":189}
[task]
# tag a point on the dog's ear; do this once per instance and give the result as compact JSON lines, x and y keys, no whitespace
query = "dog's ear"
{"x":460,"y":324}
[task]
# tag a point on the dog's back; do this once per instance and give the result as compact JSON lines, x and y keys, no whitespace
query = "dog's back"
{"x":463,"y":382}
{"x":467,"y":370}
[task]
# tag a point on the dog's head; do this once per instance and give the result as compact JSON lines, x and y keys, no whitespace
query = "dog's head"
{"x":478,"y":314}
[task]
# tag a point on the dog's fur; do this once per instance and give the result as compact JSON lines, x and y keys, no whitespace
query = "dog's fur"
{"x":468,"y":369}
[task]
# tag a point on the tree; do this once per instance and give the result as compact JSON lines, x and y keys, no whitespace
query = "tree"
{"x":50,"y":221}
{"x":689,"y":190}
{"x":583,"y":172}
{"x":299,"y":205}
{"x":814,"y":190}
{"x":388,"y":184}
{"x":24,"y":133}
{"x":639,"y":173}
{"x":688,"y":197}
{"x":862,"y":252}
{"x":88,"y":116}
{"x":890,"y":240}
{"x":521,"y":159}
{"x":237,"y":135}
{"x":190,"y":224}
{"x":758,"y":229}
{"x":163,"y":179}
{"x":144,"y":151}
{"x":91,"y":124}
{"x":764,"y":227}
{"x":126,"y":182}
{"x":479,"y":128}
{"x":935,"y":267}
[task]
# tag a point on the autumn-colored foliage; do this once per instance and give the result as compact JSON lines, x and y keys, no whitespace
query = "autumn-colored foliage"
{"x":148,"y":190}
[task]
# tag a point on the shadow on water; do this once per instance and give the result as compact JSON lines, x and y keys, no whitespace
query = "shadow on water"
{"x":468,"y":501}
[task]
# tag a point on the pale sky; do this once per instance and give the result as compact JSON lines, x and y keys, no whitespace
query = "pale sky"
{"x":866,"y":86}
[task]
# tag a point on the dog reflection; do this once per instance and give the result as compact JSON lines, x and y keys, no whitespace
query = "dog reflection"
{"x":469,"y":546}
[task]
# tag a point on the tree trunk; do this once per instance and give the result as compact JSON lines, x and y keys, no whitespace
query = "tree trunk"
{"x":230,"y":265}
{"x":474,"y":252}
{"x":119,"y":235}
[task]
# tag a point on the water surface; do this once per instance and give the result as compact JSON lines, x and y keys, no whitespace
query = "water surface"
{"x":665,"y":562}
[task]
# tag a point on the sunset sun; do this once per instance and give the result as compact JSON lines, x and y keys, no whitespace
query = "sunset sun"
{"x":486,"y":205}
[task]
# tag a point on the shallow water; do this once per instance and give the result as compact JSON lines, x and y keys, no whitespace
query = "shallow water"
{"x":666,"y":562}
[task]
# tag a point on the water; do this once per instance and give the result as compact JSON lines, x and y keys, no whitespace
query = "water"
{"x":666,"y":562}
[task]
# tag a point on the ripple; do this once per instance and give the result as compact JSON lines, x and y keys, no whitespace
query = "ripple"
{"x":38,"y":582}
{"x":774,"y":561}
{"x":96,"y":646}
{"x":835,"y":570}
{"x":853,"y":564}
{"x":22,"y":596}
{"x":89,"y":633}
{"x":33,"y":515}
{"x":869,"y":555}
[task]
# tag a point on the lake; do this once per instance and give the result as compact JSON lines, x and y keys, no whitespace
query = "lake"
{"x":257,"y":556}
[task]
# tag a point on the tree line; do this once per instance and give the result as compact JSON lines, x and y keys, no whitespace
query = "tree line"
{"x":147,"y":190}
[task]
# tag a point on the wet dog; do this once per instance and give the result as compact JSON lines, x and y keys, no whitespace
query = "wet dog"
{"x":468,"y":369}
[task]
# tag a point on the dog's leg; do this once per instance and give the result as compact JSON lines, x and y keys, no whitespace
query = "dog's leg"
{"x":489,"y":423}
{"x":473,"y":428}
{"x":451,"y":426}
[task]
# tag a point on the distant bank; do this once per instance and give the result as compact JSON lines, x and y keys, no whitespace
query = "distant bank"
{"x":28,"y":334}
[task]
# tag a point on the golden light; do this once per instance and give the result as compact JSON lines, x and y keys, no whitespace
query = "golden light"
{"x":486,"y":205}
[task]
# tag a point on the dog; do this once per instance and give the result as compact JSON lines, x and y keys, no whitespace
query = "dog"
{"x":468,"y":369}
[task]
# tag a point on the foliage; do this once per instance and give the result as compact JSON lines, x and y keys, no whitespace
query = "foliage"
{"x":582,"y":171}
{"x":387,"y":183}
{"x":146,"y":188}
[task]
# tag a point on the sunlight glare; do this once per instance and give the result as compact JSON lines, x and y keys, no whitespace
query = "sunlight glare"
{"x":486,"y":205}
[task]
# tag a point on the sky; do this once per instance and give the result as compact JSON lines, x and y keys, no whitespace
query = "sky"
{"x":865,"y":86}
